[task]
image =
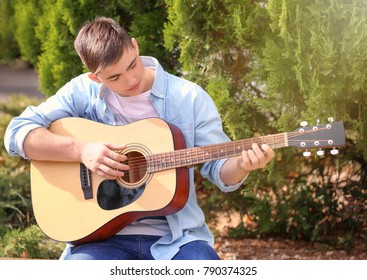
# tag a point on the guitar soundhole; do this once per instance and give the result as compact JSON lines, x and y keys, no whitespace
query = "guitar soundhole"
{"x":112,"y":196}
{"x":137,"y":169}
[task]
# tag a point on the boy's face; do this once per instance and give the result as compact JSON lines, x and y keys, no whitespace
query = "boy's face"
{"x":127,"y":76}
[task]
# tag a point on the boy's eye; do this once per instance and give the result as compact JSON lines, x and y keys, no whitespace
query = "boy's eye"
{"x":115,"y":78}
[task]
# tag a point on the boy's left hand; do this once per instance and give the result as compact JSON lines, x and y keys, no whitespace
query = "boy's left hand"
{"x":256,"y":157}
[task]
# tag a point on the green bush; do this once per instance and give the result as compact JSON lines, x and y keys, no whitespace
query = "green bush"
{"x":15,"y":191}
{"x":29,"y":243}
{"x":19,"y":235}
{"x":317,"y":206}
{"x":42,"y":32}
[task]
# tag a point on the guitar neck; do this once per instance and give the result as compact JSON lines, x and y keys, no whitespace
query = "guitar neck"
{"x":198,"y":155}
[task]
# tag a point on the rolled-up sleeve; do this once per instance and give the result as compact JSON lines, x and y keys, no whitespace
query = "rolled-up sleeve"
{"x":15,"y":136}
{"x":209,"y":131}
{"x":69,"y":101}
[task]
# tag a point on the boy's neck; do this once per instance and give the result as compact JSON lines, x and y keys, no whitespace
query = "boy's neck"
{"x":149,"y":78}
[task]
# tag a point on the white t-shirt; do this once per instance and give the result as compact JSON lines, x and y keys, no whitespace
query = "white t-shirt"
{"x":128,"y":109}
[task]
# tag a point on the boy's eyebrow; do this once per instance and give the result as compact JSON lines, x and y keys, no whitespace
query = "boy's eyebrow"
{"x":130,"y":66}
{"x":113,"y":76}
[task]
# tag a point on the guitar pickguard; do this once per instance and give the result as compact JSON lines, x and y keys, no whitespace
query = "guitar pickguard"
{"x":111,"y":195}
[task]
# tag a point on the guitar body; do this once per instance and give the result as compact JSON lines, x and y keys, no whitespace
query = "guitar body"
{"x":64,"y":213}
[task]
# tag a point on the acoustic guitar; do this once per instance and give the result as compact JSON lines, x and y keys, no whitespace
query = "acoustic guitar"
{"x":74,"y":205}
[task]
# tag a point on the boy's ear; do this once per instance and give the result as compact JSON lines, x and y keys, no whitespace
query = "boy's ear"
{"x":93,"y":77}
{"x":135,"y":44}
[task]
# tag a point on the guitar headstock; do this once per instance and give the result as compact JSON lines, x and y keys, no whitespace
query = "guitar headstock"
{"x":331,"y":135}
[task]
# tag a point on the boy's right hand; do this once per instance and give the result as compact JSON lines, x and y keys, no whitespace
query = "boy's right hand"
{"x":104,"y":159}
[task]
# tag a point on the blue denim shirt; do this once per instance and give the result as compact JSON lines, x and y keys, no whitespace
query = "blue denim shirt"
{"x":177,"y":101}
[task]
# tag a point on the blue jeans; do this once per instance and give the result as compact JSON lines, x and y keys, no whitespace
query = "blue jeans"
{"x":136,"y":247}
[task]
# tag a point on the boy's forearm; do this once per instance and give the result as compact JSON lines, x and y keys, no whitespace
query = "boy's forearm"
{"x":41,"y":144}
{"x":231,"y":173}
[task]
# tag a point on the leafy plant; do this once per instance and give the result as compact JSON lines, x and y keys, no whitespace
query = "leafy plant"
{"x":15,"y":192}
{"x":29,"y":243}
{"x":317,"y":206}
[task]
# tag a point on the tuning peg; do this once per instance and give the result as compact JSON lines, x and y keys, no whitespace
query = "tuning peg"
{"x":334,"y":151}
{"x":330,"y":119}
{"x":304,"y":123}
{"x":306,"y":153}
{"x":320,"y":153}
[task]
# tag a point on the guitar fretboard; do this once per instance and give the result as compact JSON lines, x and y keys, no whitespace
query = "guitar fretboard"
{"x":198,"y":155}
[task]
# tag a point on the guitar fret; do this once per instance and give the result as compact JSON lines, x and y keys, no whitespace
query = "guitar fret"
{"x":200,"y":154}
{"x":222,"y":152}
{"x":158,"y":162}
{"x":181,"y":159}
{"x":216,"y":152}
{"x":187,"y":159}
{"x":168,"y":160}
{"x":194,"y":156}
{"x":232,"y":151}
{"x":207,"y":153}
{"x":179,"y":162}
{"x":197,"y":156}
{"x":151,"y":165}
{"x":161,"y":162}
{"x":172,"y":160}
{"x":165,"y":161}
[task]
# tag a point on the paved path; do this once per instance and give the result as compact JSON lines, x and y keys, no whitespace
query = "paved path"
{"x":16,"y":80}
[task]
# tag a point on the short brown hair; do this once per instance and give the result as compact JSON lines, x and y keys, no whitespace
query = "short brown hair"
{"x":101,"y":43}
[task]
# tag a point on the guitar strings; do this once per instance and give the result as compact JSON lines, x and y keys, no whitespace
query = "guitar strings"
{"x":185,"y":157}
{"x":161,"y":158}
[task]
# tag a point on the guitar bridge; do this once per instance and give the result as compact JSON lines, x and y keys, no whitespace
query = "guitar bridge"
{"x":86,"y":181}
